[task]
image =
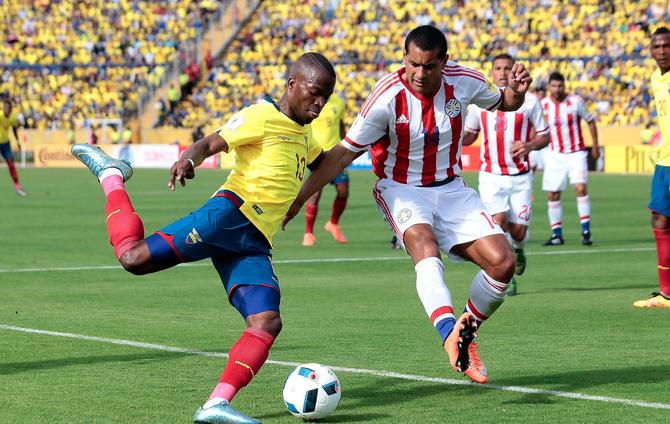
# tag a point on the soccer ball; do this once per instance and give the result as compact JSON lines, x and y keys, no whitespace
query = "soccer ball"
{"x":312,"y":391}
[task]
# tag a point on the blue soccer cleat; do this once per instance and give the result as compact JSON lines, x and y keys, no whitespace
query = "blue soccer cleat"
{"x":97,"y":161}
{"x":221,"y":413}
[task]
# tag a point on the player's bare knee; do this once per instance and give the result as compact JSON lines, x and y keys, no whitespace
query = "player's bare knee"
{"x":271,"y":324}
{"x":132,"y":263}
{"x":501,"y":266}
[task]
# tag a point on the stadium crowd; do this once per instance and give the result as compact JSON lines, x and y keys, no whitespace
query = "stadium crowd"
{"x":64,"y":61}
{"x":600,"y":46}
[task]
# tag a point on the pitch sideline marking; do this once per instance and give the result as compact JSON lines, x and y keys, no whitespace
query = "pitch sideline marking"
{"x":378,"y":373}
{"x":326,"y":260}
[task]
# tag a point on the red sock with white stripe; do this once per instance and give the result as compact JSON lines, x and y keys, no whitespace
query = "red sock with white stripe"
{"x":124,"y":227}
{"x":435,"y":295}
{"x":486,"y":295}
{"x":245,"y":359}
{"x":663,"y":252}
{"x":584,"y":210}
{"x":555,"y":212}
{"x":310,"y":216}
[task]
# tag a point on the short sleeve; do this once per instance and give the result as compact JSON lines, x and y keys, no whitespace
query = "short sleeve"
{"x":314,"y":149}
{"x":537,"y":118}
{"x":242,"y":128}
{"x":472,"y":119}
{"x":583,"y":112}
{"x":13,"y":120}
{"x":368,"y":129}
{"x":486,"y":95}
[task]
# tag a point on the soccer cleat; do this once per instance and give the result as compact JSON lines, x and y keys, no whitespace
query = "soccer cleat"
{"x":655,"y":300}
{"x":396,"y":243}
{"x":520,"y":261}
{"x":586,"y":238}
{"x":555,"y":240}
{"x":477,"y":371}
{"x":458,"y":341}
{"x":221,"y":413}
{"x":97,"y":161}
{"x":335,"y":231}
{"x":20,"y":192}
{"x":308,"y":239}
{"x":511,"y":288}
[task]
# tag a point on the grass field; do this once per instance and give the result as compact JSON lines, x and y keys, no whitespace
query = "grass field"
{"x":570,"y":348}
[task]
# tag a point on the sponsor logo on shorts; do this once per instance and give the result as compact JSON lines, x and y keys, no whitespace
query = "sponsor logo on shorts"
{"x":453,"y":108}
{"x":193,"y":237}
{"x":257,"y":209}
{"x":404,"y":215}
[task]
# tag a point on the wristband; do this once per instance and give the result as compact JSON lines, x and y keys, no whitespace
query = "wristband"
{"x":192,"y":163}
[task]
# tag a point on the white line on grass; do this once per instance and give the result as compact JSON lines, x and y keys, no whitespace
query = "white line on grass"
{"x":378,"y":373}
{"x":326,"y":260}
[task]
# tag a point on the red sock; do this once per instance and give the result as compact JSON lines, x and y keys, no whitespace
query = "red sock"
{"x":124,"y":227}
{"x":244,"y":361}
{"x":663,"y":252}
{"x":310,"y":217}
{"x":13,"y":173}
{"x":338,"y":207}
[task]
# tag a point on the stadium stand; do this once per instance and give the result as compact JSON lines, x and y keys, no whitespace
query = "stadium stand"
{"x":600,"y":46}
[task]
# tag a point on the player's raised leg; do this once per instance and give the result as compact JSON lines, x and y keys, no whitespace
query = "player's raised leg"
{"x":124,"y":226}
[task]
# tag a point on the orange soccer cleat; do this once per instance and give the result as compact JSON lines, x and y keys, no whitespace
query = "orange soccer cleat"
{"x":308,"y":239}
{"x":477,"y":370}
{"x":335,"y":231}
{"x":458,"y":342}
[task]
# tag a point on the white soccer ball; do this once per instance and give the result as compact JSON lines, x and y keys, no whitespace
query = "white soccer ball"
{"x":312,"y":391}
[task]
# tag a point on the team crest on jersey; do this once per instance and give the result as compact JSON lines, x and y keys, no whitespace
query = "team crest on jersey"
{"x":453,"y":108}
{"x":193,"y":237}
{"x":404,"y":215}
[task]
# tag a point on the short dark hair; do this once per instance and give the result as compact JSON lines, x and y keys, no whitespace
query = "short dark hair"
{"x":661,"y":31}
{"x":502,"y":56}
{"x":321,"y":61}
{"x":427,"y":38}
{"x":556,"y":76}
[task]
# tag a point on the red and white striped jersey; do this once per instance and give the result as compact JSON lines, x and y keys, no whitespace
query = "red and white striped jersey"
{"x":501,"y":129}
{"x":565,"y":119}
{"x":414,"y":139}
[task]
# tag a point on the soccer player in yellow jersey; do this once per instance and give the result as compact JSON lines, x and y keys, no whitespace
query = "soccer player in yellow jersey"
{"x":659,"y":204}
{"x":273,"y":145}
{"x":329,"y":130}
{"x":8,"y":119}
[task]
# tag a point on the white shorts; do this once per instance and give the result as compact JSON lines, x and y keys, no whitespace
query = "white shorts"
{"x":508,"y":194}
{"x":560,"y":166}
{"x":536,"y":158}
{"x":454,"y":210}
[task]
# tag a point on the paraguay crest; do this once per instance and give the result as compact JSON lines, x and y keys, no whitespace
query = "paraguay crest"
{"x":453,"y":108}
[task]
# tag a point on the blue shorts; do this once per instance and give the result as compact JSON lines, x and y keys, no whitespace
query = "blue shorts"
{"x":660,"y":191}
{"x":341,"y":178}
{"x":239,"y":251}
{"x":6,"y":151}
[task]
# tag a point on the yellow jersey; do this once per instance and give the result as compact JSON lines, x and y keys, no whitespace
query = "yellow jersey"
{"x":326,"y":127}
{"x":271,"y":155}
{"x":6,"y":123}
{"x":660,"y":86}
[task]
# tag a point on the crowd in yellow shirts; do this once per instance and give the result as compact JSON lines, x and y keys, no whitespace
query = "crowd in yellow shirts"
{"x":69,"y":60}
{"x":600,"y":46}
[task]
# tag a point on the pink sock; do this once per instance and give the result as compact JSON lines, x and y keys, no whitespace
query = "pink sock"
{"x":225,"y":391}
{"x":111,"y":183}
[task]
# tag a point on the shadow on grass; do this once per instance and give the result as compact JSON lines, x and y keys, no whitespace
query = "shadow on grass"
{"x":644,"y":286}
{"x":19,"y":367}
{"x":337,"y":417}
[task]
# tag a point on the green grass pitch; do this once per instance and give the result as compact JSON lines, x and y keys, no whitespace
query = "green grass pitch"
{"x":572,"y":328}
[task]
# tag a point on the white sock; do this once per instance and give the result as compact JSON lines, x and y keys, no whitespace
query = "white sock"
{"x":584,"y":209}
{"x":486,"y":295}
{"x":555,"y":212}
{"x":109,"y":172}
{"x":432,"y":291}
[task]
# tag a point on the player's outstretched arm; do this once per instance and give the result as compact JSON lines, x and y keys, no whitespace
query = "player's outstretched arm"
{"x":518,"y":82}
{"x":331,"y":164}
{"x":184,"y":168}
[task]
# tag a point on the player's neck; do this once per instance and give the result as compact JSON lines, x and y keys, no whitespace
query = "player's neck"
{"x":284,"y":108}
{"x":559,"y":99}
{"x":663,"y":71}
